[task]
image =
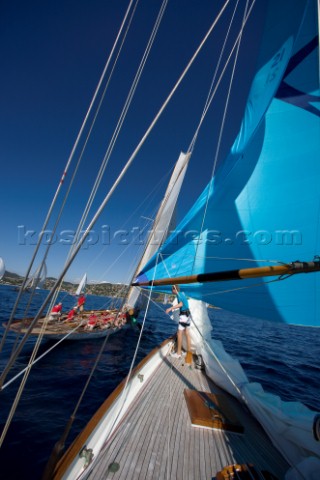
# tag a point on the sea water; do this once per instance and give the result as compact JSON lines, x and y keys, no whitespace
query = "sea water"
{"x":284,"y":359}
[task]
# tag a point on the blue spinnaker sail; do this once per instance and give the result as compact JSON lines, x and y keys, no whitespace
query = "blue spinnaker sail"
{"x":263,"y":203}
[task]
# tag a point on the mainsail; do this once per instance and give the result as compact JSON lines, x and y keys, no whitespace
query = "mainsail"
{"x":163,"y":221}
{"x":262,"y":205}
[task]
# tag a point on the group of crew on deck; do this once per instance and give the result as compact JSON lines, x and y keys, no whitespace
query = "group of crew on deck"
{"x":102,"y":320}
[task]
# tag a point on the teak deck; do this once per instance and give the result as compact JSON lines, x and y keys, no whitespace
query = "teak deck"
{"x":156,"y":439}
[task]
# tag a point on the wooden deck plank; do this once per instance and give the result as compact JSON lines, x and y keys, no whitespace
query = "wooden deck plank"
{"x":177,"y":444}
{"x":169,"y":452}
{"x":135,"y":444}
{"x":151,"y":434}
{"x":204,"y":471}
{"x":156,"y":439}
{"x":123,"y":456}
{"x":162,"y":446}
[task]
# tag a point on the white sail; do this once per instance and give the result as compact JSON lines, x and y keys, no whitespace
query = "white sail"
{"x":164,"y":218}
{"x":38,"y":278}
{"x":2,"y":268}
{"x":42,"y":276}
{"x":288,"y":424}
{"x":82,"y":285}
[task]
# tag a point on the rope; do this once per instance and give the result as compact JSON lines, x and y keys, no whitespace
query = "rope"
{"x":23,"y":381}
{"x":144,"y":201}
{"x":123,"y":397}
{"x":236,"y":386}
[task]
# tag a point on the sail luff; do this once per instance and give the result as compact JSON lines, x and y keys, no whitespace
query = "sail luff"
{"x":166,"y":210}
{"x":163,"y":219}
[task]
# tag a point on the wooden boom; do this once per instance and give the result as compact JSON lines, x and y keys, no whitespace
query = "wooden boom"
{"x":285,"y":269}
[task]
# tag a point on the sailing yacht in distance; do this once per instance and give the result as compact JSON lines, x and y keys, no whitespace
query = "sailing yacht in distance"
{"x":36,"y":280}
{"x":95,"y":324}
{"x":2,"y":268}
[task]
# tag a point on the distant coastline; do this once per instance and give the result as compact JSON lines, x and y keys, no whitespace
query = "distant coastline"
{"x":104,"y":289}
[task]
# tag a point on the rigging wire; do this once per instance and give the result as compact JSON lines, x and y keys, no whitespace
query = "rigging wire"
{"x":119,"y":124}
{"x":124,"y":392}
{"x":86,"y":142}
{"x":34,"y":280}
{"x":16,"y":351}
{"x":59,"y":446}
{"x":144,"y":201}
{"x":237,"y":44}
{"x":209,"y":96}
{"x":13,"y":379}
{"x":26,"y":372}
{"x":67,"y":430}
{"x":122,"y":118}
{"x":208,"y":345}
{"x":69,"y":161}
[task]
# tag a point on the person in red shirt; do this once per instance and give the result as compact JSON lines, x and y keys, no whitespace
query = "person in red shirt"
{"x":81,"y":302}
{"x":72,"y":314}
{"x":56,"y":312}
{"x":92,"y":322}
{"x":57,"y":308}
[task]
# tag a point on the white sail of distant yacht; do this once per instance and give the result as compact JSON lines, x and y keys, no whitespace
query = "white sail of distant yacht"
{"x":37,"y":279}
{"x":82,"y":285}
{"x":2,"y":268}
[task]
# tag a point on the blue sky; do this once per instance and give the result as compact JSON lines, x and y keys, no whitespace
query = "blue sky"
{"x":52,"y":56}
